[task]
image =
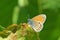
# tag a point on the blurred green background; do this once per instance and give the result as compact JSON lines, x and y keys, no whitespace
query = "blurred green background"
{"x":51,"y":8}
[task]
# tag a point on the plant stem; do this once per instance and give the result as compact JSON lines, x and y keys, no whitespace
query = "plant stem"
{"x":15,"y":15}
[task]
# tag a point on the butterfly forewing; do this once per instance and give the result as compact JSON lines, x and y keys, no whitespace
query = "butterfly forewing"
{"x":41,"y":18}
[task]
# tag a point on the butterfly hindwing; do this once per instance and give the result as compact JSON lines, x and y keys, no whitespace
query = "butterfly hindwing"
{"x":35,"y":25}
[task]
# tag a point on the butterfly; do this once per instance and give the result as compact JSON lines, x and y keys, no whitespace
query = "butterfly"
{"x":37,"y":22}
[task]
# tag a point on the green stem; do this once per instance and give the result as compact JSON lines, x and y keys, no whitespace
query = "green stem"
{"x":15,"y":15}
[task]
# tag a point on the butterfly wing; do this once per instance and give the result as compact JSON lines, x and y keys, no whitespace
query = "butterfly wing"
{"x":37,"y":26}
{"x":41,"y":18}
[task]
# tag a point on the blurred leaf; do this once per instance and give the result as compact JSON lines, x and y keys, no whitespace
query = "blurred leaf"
{"x":1,"y":28}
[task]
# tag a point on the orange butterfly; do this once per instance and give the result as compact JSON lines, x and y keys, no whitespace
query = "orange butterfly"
{"x":37,"y":22}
